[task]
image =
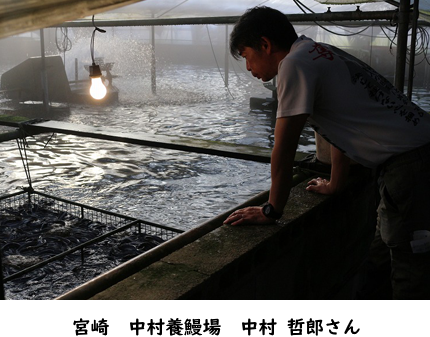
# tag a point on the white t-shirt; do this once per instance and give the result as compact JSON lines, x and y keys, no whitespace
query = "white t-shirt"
{"x":350,"y":105}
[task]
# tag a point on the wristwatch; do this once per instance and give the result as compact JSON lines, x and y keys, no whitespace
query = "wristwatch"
{"x":270,"y":212}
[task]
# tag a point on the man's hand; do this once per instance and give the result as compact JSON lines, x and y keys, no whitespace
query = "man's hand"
{"x":321,"y":186}
{"x":248,"y":216}
{"x":339,"y":175}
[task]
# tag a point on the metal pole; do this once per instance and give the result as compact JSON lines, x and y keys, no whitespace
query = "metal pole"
{"x":153,"y":64}
{"x":76,"y":70}
{"x":402,"y":44}
{"x":226,"y":57}
{"x":294,"y":18}
{"x":44,"y":77}
{"x":412,"y":51}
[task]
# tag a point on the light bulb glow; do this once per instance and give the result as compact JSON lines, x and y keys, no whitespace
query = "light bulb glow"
{"x":98,"y":89}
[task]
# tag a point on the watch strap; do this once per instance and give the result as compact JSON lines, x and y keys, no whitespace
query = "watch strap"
{"x":270,"y":212}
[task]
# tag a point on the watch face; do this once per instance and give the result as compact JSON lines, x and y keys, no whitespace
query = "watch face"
{"x":270,"y":212}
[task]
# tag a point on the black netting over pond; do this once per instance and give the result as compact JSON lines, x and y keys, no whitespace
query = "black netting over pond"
{"x":50,"y":246}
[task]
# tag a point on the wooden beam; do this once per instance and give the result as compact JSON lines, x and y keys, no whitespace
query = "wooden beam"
{"x":27,"y":15}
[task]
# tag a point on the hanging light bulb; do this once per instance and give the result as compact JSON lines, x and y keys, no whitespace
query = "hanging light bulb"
{"x":97,"y":89}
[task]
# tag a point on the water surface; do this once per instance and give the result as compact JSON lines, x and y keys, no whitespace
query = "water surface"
{"x":169,"y":187}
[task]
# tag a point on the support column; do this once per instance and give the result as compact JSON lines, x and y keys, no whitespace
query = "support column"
{"x":402,"y":44}
{"x":153,"y":62}
{"x":44,"y":76}
{"x":412,"y":52}
{"x":226,"y":60}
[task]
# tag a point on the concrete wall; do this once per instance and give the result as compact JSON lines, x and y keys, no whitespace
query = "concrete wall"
{"x":314,"y":253}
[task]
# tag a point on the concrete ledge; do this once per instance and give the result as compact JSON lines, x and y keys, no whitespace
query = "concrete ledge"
{"x":313,"y":254}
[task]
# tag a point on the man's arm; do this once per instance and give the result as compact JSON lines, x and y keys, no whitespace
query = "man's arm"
{"x":287,"y":134}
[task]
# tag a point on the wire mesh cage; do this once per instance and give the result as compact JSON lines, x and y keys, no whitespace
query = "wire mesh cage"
{"x":50,"y":245}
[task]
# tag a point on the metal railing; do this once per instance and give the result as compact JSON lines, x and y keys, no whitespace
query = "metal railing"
{"x":29,"y":199}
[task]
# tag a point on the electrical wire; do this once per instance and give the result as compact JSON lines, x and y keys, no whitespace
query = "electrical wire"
{"x":303,"y":8}
{"x":422,"y":46}
{"x":96,"y":29}
{"x":63,"y":43}
{"x":423,"y":37}
{"x":216,"y":61}
{"x":392,"y":40}
{"x":170,"y":9}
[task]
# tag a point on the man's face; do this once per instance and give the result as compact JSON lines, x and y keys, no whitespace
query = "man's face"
{"x":260,"y":63}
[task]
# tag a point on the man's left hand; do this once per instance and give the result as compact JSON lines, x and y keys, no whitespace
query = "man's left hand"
{"x":248,"y":216}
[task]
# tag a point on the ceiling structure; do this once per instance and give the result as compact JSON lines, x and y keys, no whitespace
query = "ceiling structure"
{"x":27,"y":15}
{"x":157,"y":9}
{"x":172,"y":9}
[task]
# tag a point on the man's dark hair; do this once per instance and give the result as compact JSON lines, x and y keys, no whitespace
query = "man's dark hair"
{"x":258,"y":22}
